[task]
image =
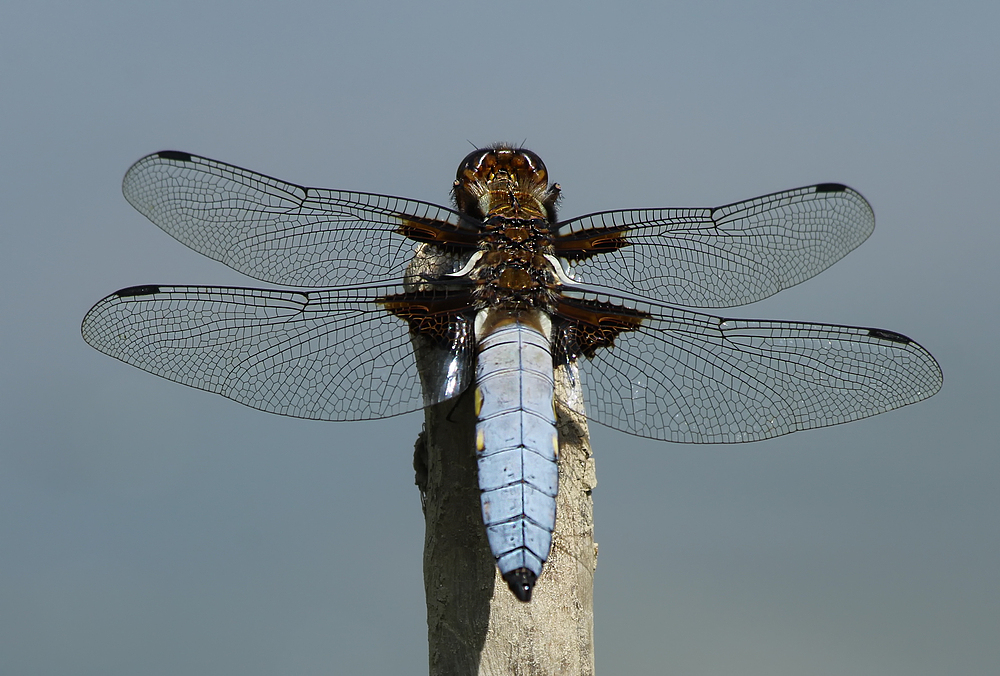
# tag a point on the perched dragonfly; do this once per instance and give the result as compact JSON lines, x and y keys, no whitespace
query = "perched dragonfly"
{"x":496,"y":293}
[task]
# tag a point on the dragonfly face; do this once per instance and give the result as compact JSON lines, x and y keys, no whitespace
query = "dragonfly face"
{"x":507,"y":182}
{"x":483,"y":294}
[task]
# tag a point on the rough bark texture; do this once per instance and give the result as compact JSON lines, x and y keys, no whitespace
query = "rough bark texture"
{"x":475,"y":625}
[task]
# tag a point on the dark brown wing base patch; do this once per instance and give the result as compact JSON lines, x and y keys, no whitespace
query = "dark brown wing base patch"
{"x":430,"y":314}
{"x":588,"y":325}
{"x":439,"y":233}
{"x":577,"y":246}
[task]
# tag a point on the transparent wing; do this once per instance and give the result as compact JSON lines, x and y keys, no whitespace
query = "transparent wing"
{"x":276,"y":231}
{"x":689,"y":377}
{"x":726,"y":256}
{"x":324,"y":355}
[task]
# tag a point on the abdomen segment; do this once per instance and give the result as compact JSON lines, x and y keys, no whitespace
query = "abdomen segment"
{"x":516,"y":446}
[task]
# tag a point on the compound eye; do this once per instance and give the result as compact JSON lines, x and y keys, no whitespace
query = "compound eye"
{"x":473,"y":162}
{"x":534,"y":161}
{"x":535,"y":164}
{"x":482,"y":164}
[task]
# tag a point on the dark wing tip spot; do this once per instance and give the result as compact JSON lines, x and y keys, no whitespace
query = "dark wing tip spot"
{"x":174,"y":155}
{"x":521,"y":581}
{"x":889,"y":335}
{"x":144,"y":290}
{"x":831,"y":187}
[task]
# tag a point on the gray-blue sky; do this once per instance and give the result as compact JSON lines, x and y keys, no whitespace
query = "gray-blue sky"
{"x":150,"y":528}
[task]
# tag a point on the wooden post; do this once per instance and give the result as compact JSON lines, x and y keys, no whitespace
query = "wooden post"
{"x":475,"y":626}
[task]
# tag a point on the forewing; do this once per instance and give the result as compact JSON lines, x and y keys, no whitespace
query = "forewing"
{"x":690,"y":377}
{"x":721,"y":257}
{"x":276,"y":231}
{"x":324,"y":355}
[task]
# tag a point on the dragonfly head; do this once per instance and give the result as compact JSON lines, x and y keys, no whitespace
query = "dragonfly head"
{"x":505,"y":181}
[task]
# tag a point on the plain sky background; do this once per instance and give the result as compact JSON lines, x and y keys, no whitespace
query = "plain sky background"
{"x":151,"y":529}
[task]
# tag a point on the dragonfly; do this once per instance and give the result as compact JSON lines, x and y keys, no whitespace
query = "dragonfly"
{"x":397,"y":304}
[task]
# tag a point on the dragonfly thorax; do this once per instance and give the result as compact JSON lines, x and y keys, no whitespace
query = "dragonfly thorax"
{"x":515,"y":267}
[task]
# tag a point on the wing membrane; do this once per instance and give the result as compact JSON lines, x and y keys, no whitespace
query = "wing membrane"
{"x":324,"y":355}
{"x":276,"y":231}
{"x":338,"y":354}
{"x":690,"y":377}
{"x":726,"y":256}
